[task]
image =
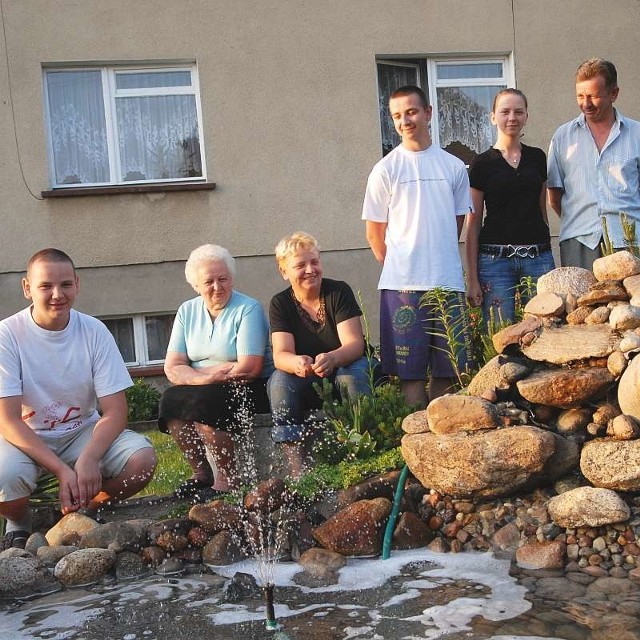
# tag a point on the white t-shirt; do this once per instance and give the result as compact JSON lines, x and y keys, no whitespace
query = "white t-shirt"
{"x":59,"y":374}
{"x":419,"y":194}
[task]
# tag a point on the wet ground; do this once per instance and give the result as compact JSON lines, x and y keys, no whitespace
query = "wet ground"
{"x":412,"y":595}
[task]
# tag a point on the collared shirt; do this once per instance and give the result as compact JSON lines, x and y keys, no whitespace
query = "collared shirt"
{"x":596,"y":184}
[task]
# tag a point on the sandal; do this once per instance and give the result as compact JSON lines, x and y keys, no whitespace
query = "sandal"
{"x":190,"y":487}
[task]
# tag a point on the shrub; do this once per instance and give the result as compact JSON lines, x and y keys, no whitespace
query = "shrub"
{"x":143,"y":401}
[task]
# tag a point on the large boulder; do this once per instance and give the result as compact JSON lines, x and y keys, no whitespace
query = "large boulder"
{"x":484,"y":464}
{"x":612,"y":464}
{"x":453,"y":413}
{"x":565,"y":388}
{"x":587,"y":507}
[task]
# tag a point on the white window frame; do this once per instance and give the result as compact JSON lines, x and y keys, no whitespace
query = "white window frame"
{"x":140,"y":342}
{"x":109,"y":94}
{"x":432,"y":83}
{"x":507,"y":79}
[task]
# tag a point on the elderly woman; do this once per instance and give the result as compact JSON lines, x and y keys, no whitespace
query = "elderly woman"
{"x":315,"y":333}
{"x":219,"y":360}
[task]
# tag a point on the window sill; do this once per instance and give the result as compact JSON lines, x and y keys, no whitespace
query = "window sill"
{"x":147,"y":371}
{"x":157,"y":187}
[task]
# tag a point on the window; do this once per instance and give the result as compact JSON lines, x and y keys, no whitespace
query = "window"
{"x":117,"y":125}
{"x":461,"y":91}
{"x":142,"y":339}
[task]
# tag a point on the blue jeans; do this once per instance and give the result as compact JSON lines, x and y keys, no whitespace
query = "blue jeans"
{"x":291,"y":397}
{"x":499,"y":278}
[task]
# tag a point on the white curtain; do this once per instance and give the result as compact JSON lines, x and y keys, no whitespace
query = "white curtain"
{"x":77,"y":127}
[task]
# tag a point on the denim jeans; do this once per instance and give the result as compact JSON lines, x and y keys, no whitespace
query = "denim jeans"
{"x":292,"y":397}
{"x":499,"y":278}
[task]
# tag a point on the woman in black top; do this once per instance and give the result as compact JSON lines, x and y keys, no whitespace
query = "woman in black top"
{"x":316,"y":333}
{"x":509,"y":181}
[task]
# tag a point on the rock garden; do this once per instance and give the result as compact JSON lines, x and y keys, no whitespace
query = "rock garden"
{"x":538,"y":458}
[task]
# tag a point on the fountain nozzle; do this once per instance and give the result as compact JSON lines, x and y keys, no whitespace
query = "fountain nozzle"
{"x":271,"y":624}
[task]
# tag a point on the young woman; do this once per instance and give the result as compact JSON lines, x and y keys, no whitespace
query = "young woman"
{"x":509,"y":182}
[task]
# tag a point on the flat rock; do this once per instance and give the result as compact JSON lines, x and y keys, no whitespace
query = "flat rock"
{"x":216,"y":516}
{"x":612,"y":464}
{"x":587,"y":507}
{"x":118,"y":536}
{"x":566,"y":280}
{"x":545,"y":305}
{"x":603,"y":293}
{"x":564,"y":388}
{"x":571,"y":343}
{"x":452,"y":413}
{"x":617,"y":266}
{"x":416,"y":422}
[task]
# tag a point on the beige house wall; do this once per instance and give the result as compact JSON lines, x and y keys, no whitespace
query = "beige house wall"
{"x":291,"y":131}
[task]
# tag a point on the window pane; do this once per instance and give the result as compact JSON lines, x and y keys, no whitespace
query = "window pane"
{"x":122,"y":330}
{"x":463,"y":119}
{"x":146,"y":80}
{"x":158,"y":137}
{"x":77,"y":127}
{"x":481,"y":70}
{"x":158,"y":330}
{"x":390,"y":77}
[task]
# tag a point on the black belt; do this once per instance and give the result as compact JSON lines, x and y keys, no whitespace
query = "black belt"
{"x":514,"y":250}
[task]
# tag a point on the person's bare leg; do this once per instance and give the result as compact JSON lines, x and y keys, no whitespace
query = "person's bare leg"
{"x":133,"y":478}
{"x":220,"y":446}
{"x":190,"y":443}
{"x":414,"y":392}
{"x":15,"y":510}
{"x":295,"y":456}
{"x":440,"y":386}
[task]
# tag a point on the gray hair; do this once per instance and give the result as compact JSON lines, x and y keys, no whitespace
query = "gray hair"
{"x":205,"y":254}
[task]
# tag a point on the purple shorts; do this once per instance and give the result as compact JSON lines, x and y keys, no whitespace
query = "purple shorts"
{"x":412,"y":338}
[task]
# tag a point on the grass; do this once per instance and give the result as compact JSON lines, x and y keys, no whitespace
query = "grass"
{"x":172,"y":467}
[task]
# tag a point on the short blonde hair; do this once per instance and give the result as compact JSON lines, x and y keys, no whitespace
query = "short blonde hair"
{"x":204,"y":254}
{"x":296,"y":242}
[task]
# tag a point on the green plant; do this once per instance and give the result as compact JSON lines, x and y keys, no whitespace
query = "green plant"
{"x":359,"y":427}
{"x":629,"y":234}
{"x":142,"y":399}
{"x":451,"y":310}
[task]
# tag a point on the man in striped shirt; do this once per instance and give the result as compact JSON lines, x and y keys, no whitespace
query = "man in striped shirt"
{"x":594,"y":167}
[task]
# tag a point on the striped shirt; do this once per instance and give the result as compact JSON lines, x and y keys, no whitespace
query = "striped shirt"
{"x":596,"y":184}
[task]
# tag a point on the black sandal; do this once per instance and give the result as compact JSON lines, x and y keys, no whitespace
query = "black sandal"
{"x":14,"y":540}
{"x":190,"y":487}
{"x":209,"y":494}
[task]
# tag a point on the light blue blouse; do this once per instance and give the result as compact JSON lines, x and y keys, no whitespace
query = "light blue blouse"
{"x":241,"y":329}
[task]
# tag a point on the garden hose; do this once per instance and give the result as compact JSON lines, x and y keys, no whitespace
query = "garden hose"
{"x":391,"y":523}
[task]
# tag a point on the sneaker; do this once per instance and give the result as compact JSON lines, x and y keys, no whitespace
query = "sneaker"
{"x":14,"y":540}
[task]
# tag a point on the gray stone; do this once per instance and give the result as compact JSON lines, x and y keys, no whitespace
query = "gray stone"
{"x":587,"y":507}
{"x":612,"y":464}
{"x":84,"y":567}
{"x":566,"y":280}
{"x":118,"y":536}
{"x":51,"y":555}
{"x":35,"y":541}
{"x":129,"y":566}
{"x":21,"y":577}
